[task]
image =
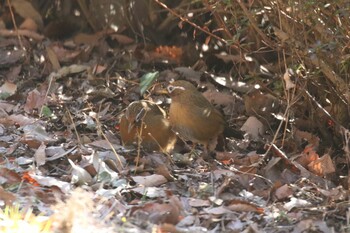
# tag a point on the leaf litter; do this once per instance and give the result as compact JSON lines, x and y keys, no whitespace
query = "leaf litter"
{"x":62,"y":156}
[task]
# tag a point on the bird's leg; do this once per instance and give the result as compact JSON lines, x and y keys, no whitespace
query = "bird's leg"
{"x":139,"y":141}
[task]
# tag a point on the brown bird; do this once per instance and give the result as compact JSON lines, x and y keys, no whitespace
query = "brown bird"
{"x":146,"y":121}
{"x":193,"y":117}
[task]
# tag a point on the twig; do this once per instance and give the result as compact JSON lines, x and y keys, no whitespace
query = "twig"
{"x":227,"y":34}
{"x":21,"y":32}
{"x":191,"y":23}
{"x":51,"y":77}
{"x":255,"y":26}
{"x":15,"y":24}
{"x":75,"y":128}
{"x":99,"y":128}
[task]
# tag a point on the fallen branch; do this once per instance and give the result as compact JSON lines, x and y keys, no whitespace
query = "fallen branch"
{"x":21,"y":32}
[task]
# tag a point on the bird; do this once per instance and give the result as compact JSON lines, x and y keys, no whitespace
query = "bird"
{"x":145,"y":122}
{"x":193,"y":117}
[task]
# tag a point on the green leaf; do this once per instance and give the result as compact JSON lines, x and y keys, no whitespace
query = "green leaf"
{"x":46,"y":111}
{"x":147,"y":80}
{"x":4,"y":95}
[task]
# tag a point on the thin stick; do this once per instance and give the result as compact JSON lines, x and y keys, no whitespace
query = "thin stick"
{"x":74,"y":127}
{"x":189,"y":22}
{"x":99,"y":128}
{"x":15,"y":25}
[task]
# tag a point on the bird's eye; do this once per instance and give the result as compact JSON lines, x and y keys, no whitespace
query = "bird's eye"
{"x":170,"y":88}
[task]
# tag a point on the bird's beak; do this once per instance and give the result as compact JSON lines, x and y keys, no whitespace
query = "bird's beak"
{"x":131,"y":125}
{"x":162,"y":91}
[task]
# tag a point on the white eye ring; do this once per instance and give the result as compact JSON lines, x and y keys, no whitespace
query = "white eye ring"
{"x":170,"y":88}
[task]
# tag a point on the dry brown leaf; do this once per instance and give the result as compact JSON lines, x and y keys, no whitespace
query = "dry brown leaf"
{"x":13,"y":73}
{"x":219,"y":98}
{"x":164,"y":171}
{"x":158,"y":212}
{"x":98,"y":69}
{"x":26,"y":10}
{"x":283,"y":192}
{"x":51,"y":181}
{"x":122,"y":39}
{"x":243,"y":206}
{"x":21,"y":120}
{"x":283,"y":36}
{"x":29,"y":24}
{"x":79,"y":175}
{"x":8,"y":88}
{"x":10,"y":176}
{"x":150,"y":181}
{"x":167,"y":228}
{"x":312,"y":139}
{"x":253,"y":127}
{"x":308,"y":155}
{"x":322,"y":166}
{"x":8,"y":58}
{"x":170,"y":54}
{"x":311,"y":225}
{"x":226,"y":157}
{"x":63,"y":54}
{"x":261,"y":105}
{"x":53,"y":59}
{"x":35,"y":100}
{"x":151,"y":192}
{"x":40,"y":155}
{"x":218,"y":210}
{"x":296,"y":203}
{"x":7,"y":197}
{"x":336,"y":194}
{"x":87,"y":39}
{"x":195,"y":202}
{"x":7,"y":107}
{"x":34,"y":135}
{"x":288,"y":81}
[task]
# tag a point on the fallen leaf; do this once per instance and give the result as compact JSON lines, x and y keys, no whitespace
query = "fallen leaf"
{"x":218,"y":210}
{"x":35,"y":100}
{"x":307,"y":156}
{"x":311,"y":225}
{"x":124,"y":40}
{"x":79,"y":175}
{"x":147,"y":81}
{"x":150,"y":181}
{"x":150,"y":192}
{"x":253,"y":127}
{"x":288,"y":81}
{"x":7,"y":197}
{"x":158,"y":212}
{"x":243,"y":206}
{"x":26,"y":10}
{"x":195,"y":202}
{"x":322,"y":166}
{"x":34,"y":135}
{"x":40,"y":155}
{"x":10,"y":176}
{"x":7,"y":89}
{"x":8,"y":58}
{"x":65,"y":187}
{"x":296,"y":203}
{"x":283,"y":192}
